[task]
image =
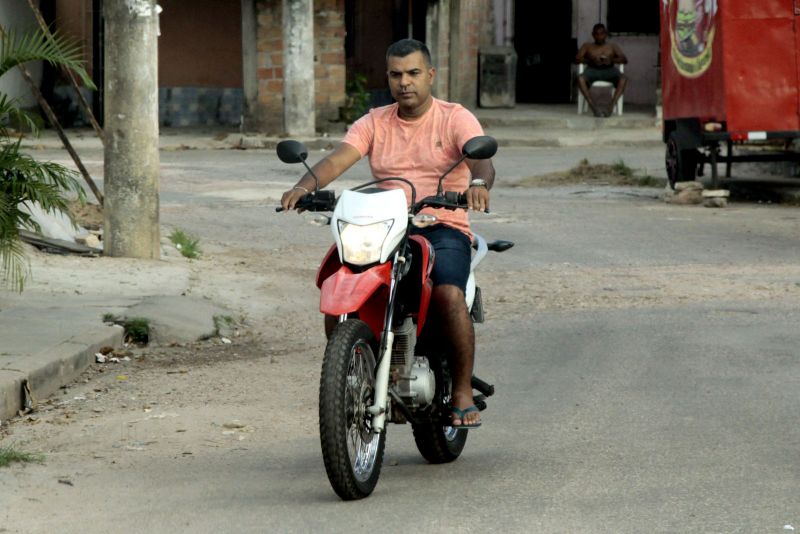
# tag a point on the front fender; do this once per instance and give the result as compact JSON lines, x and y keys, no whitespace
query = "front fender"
{"x":346,"y":292}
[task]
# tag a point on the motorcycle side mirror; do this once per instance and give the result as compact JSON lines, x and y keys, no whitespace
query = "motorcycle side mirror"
{"x":481,"y":147}
{"x":291,"y":151}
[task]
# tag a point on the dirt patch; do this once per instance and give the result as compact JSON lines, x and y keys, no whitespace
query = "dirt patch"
{"x":593,"y":174}
{"x":90,"y":216}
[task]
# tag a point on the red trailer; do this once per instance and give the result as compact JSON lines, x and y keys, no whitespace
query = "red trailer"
{"x":729,"y":74}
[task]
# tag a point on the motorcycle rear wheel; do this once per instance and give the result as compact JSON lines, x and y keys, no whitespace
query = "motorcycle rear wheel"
{"x":351,"y":451}
{"x":437,"y":443}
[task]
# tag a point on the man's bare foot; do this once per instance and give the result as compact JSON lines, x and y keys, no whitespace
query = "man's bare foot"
{"x":610,"y":110}
{"x":465,"y":414}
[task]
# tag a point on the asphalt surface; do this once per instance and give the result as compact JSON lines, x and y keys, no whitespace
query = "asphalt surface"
{"x":630,"y":409}
{"x":644,"y":354}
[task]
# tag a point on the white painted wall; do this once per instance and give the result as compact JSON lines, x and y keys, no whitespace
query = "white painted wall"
{"x":17,"y":15}
{"x":641,"y":70}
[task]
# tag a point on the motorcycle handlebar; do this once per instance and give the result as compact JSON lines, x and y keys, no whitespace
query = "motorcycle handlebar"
{"x":317,"y":201}
{"x":326,"y":201}
{"x":450,"y":200}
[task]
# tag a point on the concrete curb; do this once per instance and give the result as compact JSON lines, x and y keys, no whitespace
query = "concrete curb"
{"x":54,"y":367}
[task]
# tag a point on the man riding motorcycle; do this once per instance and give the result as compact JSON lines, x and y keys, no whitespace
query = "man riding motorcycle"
{"x":418,"y":138}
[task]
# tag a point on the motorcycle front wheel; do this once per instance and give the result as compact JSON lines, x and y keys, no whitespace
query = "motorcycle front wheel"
{"x":351,"y":450}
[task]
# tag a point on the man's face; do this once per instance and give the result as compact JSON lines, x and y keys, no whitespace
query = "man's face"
{"x":600,"y":35}
{"x":410,"y":80}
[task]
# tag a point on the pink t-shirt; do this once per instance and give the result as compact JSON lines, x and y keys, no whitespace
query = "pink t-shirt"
{"x":419,"y":151}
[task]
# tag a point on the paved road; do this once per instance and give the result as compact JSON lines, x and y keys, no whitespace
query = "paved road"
{"x":645,"y":357}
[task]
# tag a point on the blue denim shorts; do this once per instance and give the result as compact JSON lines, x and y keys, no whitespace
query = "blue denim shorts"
{"x":453,"y":254}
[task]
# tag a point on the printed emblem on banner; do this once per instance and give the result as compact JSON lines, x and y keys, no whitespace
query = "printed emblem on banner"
{"x":692,"y":28}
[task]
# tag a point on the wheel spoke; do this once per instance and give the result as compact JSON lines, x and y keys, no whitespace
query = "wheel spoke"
{"x":362,"y":447}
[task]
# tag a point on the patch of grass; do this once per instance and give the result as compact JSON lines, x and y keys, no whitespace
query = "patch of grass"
{"x":223,"y":322}
{"x":137,"y":330}
{"x":188,"y":245}
{"x":9,"y":455}
{"x":619,"y":167}
{"x":650,"y":181}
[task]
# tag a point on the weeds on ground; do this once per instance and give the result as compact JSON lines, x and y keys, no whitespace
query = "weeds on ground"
{"x":188,"y":245}
{"x":136,"y":329}
{"x":9,"y":455}
{"x":618,"y":173}
{"x":619,"y":167}
{"x":223,"y":323}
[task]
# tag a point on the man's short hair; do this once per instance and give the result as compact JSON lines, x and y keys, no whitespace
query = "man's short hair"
{"x":404,"y":47}
{"x":598,"y":26}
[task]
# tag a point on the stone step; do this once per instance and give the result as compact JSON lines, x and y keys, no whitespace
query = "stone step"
{"x":576,"y":123}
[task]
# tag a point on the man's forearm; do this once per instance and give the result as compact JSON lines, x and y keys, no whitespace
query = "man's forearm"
{"x":484,"y":170}
{"x":325,"y":172}
{"x":330,"y":167}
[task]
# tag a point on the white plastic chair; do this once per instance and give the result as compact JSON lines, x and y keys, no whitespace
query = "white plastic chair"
{"x":582,"y":101}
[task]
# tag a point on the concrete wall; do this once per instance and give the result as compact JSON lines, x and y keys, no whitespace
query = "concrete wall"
{"x":16,"y":15}
{"x":200,"y":44}
{"x":642,"y":67}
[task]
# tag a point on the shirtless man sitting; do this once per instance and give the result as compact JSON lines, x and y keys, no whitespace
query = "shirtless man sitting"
{"x":600,"y":58}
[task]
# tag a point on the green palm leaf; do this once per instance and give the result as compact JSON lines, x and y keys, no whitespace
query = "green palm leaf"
{"x":23,"y":180}
{"x":56,"y":49}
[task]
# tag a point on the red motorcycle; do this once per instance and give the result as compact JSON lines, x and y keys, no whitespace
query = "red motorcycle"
{"x":385,"y":360}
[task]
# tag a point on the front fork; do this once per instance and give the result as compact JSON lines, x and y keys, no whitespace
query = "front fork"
{"x":381,"y":406}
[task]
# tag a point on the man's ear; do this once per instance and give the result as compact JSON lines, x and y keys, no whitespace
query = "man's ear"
{"x":432,"y":72}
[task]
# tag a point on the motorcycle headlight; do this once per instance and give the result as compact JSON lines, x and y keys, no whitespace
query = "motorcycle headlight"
{"x":361,"y":245}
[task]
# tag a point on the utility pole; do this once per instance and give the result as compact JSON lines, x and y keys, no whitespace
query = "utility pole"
{"x":298,"y":69}
{"x":131,"y":207}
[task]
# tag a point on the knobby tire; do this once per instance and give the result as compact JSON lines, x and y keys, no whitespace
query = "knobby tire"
{"x":333,"y":406}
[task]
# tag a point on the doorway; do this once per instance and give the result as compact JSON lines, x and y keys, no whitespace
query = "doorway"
{"x":545,"y":50}
{"x":370,"y":27}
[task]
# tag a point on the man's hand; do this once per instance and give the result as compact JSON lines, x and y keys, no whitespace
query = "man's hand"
{"x":292,"y":196}
{"x":477,"y":198}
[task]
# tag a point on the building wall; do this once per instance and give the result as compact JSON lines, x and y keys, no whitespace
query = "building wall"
{"x":329,"y":60}
{"x":200,"y":63}
{"x":200,"y":44}
{"x":642,"y":67}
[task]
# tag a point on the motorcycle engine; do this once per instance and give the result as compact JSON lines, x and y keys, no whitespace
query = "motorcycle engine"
{"x":415,"y":382}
